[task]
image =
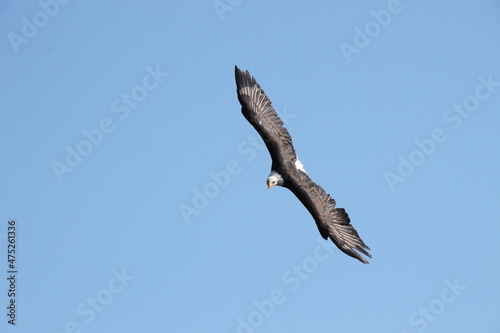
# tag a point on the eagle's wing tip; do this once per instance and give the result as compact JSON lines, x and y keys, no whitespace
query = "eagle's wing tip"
{"x":365,"y":261}
{"x":357,"y":252}
{"x":359,"y":256}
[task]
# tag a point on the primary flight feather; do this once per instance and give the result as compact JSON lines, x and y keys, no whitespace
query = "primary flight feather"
{"x":288,"y":171}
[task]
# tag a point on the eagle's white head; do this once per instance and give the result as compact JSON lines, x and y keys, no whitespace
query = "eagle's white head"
{"x":274,"y":178}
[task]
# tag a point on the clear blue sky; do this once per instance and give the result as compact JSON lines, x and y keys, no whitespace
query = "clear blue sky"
{"x":139,"y":190}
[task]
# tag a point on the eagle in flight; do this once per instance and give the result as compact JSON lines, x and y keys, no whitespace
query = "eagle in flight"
{"x":288,"y":171}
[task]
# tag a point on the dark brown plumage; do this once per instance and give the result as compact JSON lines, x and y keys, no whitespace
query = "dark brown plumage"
{"x":333,"y":223}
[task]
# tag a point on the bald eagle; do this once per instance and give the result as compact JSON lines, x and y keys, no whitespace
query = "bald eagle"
{"x":288,"y":171}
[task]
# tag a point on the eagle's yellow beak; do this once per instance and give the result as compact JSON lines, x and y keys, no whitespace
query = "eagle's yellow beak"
{"x":269,"y":185}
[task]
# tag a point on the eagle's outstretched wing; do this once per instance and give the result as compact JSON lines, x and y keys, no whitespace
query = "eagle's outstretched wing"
{"x":333,"y":223}
{"x":257,"y":109}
